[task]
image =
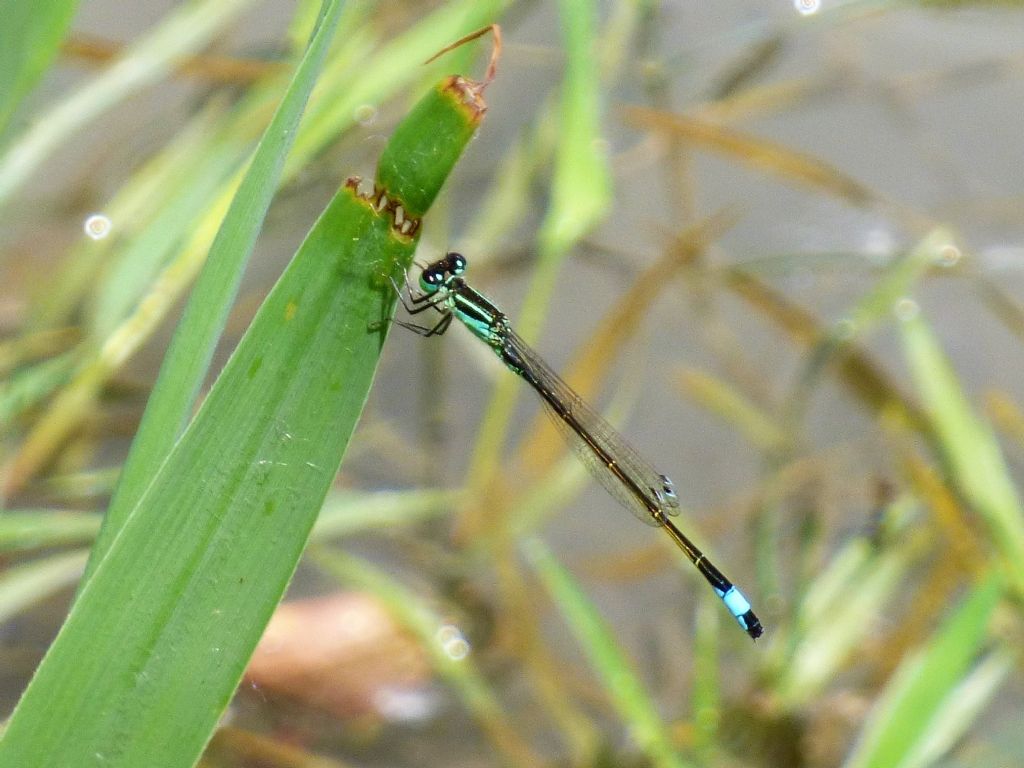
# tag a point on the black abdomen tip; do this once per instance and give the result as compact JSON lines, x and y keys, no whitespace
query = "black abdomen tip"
{"x":752,"y":624}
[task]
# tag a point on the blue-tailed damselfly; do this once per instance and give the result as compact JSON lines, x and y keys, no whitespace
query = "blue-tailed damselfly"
{"x":648,"y":494}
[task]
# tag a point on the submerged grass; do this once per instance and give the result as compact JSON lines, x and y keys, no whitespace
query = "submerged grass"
{"x":885,"y":561}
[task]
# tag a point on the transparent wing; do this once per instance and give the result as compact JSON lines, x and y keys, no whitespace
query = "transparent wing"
{"x":611,"y":460}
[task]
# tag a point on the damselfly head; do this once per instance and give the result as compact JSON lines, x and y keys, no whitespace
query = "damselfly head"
{"x":436,"y":275}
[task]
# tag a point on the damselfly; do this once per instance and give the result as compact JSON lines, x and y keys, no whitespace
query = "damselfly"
{"x":648,"y":494}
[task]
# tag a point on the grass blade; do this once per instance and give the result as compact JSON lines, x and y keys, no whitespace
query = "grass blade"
{"x":346,"y":513}
{"x":151,"y":57}
{"x":581,"y":187}
{"x":24,"y":529}
{"x":960,"y":709}
{"x":23,"y":585}
{"x":204,"y":558}
{"x":29,"y":39}
{"x":921,"y":687}
{"x":969,"y":447}
{"x":837,"y":614}
{"x":189,"y":355}
{"x":606,"y":657}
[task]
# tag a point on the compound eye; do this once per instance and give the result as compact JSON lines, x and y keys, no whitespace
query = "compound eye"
{"x":458,"y":263}
{"x":431,"y":280}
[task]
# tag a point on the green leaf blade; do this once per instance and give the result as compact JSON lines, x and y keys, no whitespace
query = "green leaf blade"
{"x":189,"y":356}
{"x":30,"y":38}
{"x":918,"y":692}
{"x":606,"y":657}
{"x":969,"y":447}
{"x":205,"y":557}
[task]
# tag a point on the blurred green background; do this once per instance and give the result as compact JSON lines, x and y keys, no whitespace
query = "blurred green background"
{"x":779,"y":245}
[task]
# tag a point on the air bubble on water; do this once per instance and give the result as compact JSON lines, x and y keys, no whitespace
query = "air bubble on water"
{"x":446,"y":632}
{"x":906,"y":309}
{"x":457,"y":650}
{"x":453,"y":642}
{"x":948,"y":256}
{"x":97,"y":226}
